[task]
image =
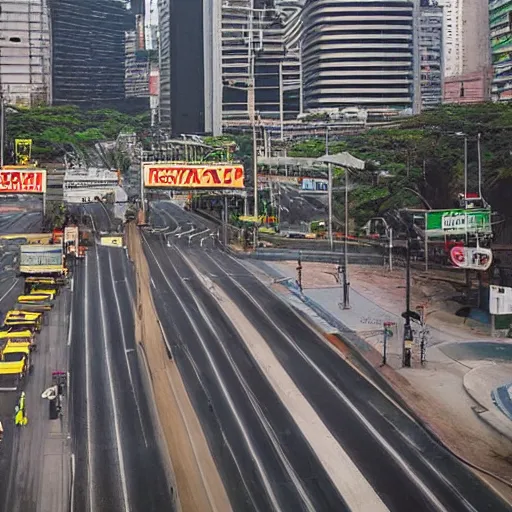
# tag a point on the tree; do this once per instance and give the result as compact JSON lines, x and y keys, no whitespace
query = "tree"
{"x":425,"y":156}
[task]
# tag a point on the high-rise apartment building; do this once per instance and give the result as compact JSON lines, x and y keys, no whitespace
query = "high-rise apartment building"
{"x":475,"y":36}
{"x":25,"y":69}
{"x":88,"y":47}
{"x":136,"y":81}
{"x":360,"y":53}
{"x":452,"y":32}
{"x":500,"y":20}
{"x":431,"y":54}
{"x":269,"y":32}
{"x":190,"y":78}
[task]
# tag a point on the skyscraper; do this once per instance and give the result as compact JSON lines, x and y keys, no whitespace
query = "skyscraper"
{"x":431,"y":55}
{"x":88,"y":47}
{"x":268,"y":31}
{"x":189,"y":65}
{"x":359,"y":53}
{"x":452,"y":31}
{"x":500,"y":19}
{"x":25,"y":72}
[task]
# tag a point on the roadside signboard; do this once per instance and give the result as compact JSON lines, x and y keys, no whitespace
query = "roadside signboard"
{"x":500,"y":300}
{"x":41,"y":259}
{"x":473,"y":258}
{"x":313,"y":184}
{"x":183,"y":175}
{"x":22,"y":181}
{"x":458,"y":222}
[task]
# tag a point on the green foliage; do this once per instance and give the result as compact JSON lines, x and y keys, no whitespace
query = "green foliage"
{"x":424,"y":157}
{"x":55,"y":129}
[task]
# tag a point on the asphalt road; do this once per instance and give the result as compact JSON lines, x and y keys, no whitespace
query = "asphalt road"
{"x":402,"y":463}
{"x":27,"y":222}
{"x":102,"y":218}
{"x":118,"y":463}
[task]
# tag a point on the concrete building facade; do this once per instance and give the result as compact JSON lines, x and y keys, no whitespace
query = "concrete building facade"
{"x":360,"y":54}
{"x":88,"y":51}
{"x":136,"y":78}
{"x":467,"y":88}
{"x":500,"y":20}
{"x":431,"y":55}
{"x":475,"y":36}
{"x":25,"y":65}
{"x":452,"y":32}
{"x":189,"y":62}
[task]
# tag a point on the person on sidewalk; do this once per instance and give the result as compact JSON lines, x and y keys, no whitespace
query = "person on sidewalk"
{"x":20,"y":418}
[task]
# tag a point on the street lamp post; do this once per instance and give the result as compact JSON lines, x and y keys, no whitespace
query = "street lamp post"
{"x":346,"y":283}
{"x":329,"y":193}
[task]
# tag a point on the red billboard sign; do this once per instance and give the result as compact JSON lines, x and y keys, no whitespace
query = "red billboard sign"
{"x":22,"y":181}
{"x":183,"y":175}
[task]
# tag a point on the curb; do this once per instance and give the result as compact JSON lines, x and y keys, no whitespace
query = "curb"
{"x":489,"y":417}
{"x":353,"y":341}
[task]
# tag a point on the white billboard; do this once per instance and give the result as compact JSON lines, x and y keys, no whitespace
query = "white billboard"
{"x":500,"y":300}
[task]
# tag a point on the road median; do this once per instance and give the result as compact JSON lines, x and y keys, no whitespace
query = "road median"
{"x":199,"y":486}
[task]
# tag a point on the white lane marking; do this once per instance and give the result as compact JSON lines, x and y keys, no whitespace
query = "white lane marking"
{"x":113,"y":399}
{"x":179,"y":235}
{"x":259,"y":412}
{"x":9,"y":290}
{"x":70,"y":326}
{"x":88,"y":392}
{"x":72,"y":287}
{"x":202,"y":240}
{"x":206,"y":391}
{"x":200,"y":233}
{"x":373,"y":431}
{"x":410,"y":442}
{"x":72,"y":497}
{"x":259,"y":466}
{"x":126,"y":350}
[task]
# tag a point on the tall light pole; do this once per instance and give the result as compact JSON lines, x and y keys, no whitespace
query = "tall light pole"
{"x":465,"y":168}
{"x":281,"y":100}
{"x":329,"y":194}
{"x":346,"y":283}
{"x":479,"y":168}
{"x":251,"y":107}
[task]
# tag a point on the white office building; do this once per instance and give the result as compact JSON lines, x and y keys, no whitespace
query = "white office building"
{"x":360,"y":53}
{"x":25,"y":65}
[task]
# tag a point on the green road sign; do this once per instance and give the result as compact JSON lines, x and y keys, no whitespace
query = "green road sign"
{"x":458,"y":222}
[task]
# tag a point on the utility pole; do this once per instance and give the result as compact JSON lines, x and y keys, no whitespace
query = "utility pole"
{"x":426,"y":243}
{"x":329,"y":194}
{"x":423,"y":339}
{"x":281,"y":100}
{"x":299,"y":272}
{"x":346,"y":284}
{"x":225,"y":230}
{"x":390,"y":247}
{"x":479,"y":168}
{"x":408,"y":339}
{"x":388,"y":333}
{"x":465,"y":168}
{"x":251,"y":106}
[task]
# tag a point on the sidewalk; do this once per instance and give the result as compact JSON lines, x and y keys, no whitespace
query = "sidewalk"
{"x":448,"y":392}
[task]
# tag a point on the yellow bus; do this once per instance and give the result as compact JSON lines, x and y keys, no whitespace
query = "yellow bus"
{"x":21,"y":336}
{"x":14,"y":365}
{"x":17,"y":317}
